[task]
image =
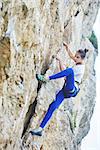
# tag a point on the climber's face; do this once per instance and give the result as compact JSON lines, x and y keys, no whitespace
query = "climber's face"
{"x":78,"y":59}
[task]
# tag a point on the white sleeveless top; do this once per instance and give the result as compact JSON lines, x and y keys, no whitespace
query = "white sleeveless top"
{"x":78,"y":72}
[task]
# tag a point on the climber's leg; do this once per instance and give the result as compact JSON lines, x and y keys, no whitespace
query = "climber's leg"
{"x":69,"y":74}
{"x":69,"y":84}
{"x":61,"y":74}
{"x":65,"y":73}
{"x":53,"y":106}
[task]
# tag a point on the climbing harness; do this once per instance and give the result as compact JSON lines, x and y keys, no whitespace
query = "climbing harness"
{"x":72,"y":92}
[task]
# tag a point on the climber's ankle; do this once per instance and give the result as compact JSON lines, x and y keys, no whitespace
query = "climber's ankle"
{"x":37,"y":131}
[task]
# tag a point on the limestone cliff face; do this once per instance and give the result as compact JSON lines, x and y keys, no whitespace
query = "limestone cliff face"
{"x":31,"y":35}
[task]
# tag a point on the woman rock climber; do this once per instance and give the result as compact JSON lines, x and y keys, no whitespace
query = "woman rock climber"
{"x":73,"y":77}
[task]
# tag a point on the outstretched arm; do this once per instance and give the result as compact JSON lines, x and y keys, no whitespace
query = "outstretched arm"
{"x":61,"y":65}
{"x":72,"y":56}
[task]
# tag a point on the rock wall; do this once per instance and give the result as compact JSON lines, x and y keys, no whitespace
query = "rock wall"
{"x":31,"y":35}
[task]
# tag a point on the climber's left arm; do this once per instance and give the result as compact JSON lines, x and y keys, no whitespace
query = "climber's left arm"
{"x":61,"y":65}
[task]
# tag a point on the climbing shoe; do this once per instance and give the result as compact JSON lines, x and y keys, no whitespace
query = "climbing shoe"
{"x":41,"y":78}
{"x":37,"y":131}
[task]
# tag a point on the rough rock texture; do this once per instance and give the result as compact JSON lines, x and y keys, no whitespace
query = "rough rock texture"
{"x":31,"y":35}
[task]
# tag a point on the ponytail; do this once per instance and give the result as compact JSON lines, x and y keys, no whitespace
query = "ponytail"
{"x":86,"y":50}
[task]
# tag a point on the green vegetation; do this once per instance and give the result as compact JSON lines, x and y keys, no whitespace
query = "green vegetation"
{"x":93,"y":40}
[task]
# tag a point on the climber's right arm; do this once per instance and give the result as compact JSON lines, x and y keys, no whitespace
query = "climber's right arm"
{"x":72,"y":56}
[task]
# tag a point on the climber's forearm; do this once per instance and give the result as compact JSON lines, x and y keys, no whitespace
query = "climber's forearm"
{"x":70,"y":53}
{"x":61,"y":65}
{"x":72,"y":56}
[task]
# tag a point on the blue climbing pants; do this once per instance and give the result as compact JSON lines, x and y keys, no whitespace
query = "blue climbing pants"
{"x":69,"y":85}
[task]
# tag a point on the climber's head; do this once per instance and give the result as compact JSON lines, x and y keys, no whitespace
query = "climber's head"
{"x":80,"y":56}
